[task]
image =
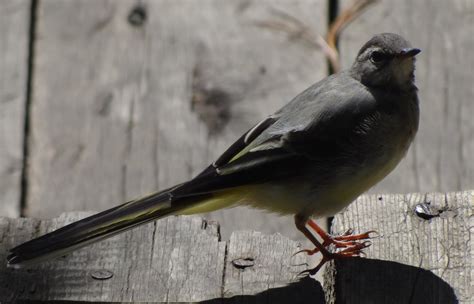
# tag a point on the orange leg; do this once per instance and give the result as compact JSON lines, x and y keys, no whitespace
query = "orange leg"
{"x":347,"y":241}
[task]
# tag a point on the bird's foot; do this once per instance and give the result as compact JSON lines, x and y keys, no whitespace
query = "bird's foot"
{"x":355,"y":250}
{"x":347,"y":240}
{"x":346,"y":245}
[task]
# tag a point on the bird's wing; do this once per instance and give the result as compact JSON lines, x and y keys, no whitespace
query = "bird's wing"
{"x":237,"y":166}
{"x":316,"y":125}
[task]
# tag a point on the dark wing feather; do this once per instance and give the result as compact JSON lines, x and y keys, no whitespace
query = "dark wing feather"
{"x":243,"y":141}
{"x":232,"y":170}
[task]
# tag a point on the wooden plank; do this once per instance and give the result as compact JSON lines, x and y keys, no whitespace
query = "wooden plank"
{"x":440,"y":158}
{"x":14,"y":25}
{"x":175,"y":259}
{"x":262,"y":269}
{"x":424,"y":255}
{"x":122,"y":109}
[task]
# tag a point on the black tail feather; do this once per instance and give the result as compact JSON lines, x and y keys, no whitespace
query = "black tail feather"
{"x":92,"y":229}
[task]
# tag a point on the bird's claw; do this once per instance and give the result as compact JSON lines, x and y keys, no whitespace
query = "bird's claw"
{"x":352,"y":251}
{"x":348,"y":236}
{"x":307,"y":251}
{"x":348,"y":249}
{"x":314,"y":270}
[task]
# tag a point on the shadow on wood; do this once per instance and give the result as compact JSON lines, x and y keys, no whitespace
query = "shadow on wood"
{"x":297,"y":292}
{"x":376,"y":281}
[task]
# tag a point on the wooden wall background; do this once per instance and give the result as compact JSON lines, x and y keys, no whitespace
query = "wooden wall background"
{"x":121,"y":98}
{"x":14,"y":27}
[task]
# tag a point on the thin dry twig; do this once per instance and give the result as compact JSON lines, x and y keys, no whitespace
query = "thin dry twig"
{"x":345,"y":18}
{"x":297,"y":30}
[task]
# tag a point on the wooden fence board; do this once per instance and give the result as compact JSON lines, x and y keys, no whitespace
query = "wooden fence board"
{"x":14,"y":25}
{"x":424,"y":255}
{"x":173,"y":260}
{"x":121,"y":109}
{"x":251,"y":260}
{"x":440,"y":159}
{"x":424,"y":252}
{"x":176,"y":259}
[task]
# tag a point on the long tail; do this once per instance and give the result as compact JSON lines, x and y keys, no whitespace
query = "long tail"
{"x":95,"y":228}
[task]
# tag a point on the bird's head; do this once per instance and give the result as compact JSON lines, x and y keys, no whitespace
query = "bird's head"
{"x":387,"y":60}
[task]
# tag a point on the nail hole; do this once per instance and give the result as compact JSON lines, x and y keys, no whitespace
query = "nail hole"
{"x":137,"y":16}
{"x":243,"y":263}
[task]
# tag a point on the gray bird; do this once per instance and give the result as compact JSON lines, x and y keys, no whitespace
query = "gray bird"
{"x":311,"y":158}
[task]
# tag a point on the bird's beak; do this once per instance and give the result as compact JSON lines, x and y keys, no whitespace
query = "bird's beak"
{"x":408,"y":52}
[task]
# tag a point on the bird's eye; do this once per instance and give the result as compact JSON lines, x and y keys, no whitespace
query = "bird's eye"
{"x":378,"y":57}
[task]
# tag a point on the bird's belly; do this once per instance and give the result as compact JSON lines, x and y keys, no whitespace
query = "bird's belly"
{"x":353,"y":181}
{"x":323,"y":197}
{"x":282,"y":198}
{"x":341,"y":194}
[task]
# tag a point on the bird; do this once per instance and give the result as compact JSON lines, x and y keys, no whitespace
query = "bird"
{"x":310,"y":159}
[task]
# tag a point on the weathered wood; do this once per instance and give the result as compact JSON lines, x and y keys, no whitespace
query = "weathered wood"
{"x":175,"y":259}
{"x":251,"y":261}
{"x":424,"y":252}
{"x":419,"y":258}
{"x":14,"y":26}
{"x":124,"y":104}
{"x":439,"y":159}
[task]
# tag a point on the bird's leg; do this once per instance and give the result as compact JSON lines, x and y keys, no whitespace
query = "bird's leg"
{"x":300,"y":223}
{"x":351,"y":247}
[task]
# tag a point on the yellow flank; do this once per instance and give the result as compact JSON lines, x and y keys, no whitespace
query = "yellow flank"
{"x":221,"y":199}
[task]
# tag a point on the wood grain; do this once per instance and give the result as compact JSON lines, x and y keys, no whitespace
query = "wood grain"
{"x":14,"y":25}
{"x":123,"y":108}
{"x":420,"y":257}
{"x":251,"y":260}
{"x":262,"y":268}
{"x":178,"y":259}
{"x":440,"y":158}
